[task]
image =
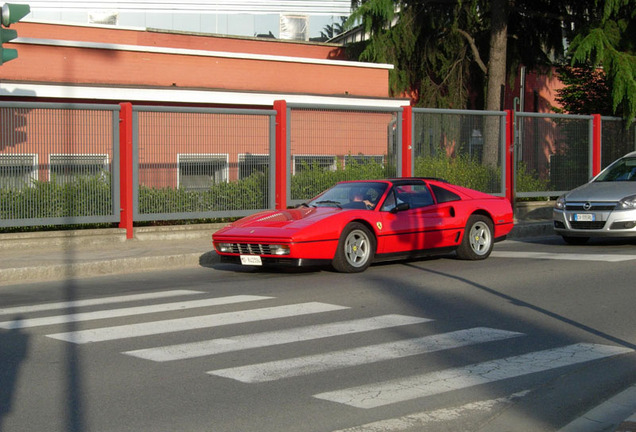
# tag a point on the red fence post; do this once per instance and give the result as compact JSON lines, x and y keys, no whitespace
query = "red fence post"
{"x":126,"y":168}
{"x":596,"y":144}
{"x":281,"y":154}
{"x":407,"y":141}
{"x":510,"y":157}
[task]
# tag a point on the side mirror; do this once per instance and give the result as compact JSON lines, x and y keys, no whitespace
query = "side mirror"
{"x":400,"y":207}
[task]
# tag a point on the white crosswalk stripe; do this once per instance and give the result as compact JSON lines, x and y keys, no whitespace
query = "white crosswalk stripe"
{"x":276,"y":370}
{"x":368,"y":395}
{"x":250,"y":341}
{"x":117,"y":313}
{"x":96,"y":301}
{"x":412,"y":387}
{"x":192,"y":323}
{"x":424,"y":419}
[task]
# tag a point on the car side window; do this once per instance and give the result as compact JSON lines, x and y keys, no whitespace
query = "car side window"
{"x":416,"y":195}
{"x":444,"y":195}
{"x":419,"y":197}
{"x":389,"y":202}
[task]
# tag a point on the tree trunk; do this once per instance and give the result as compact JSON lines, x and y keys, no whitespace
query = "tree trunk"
{"x":496,"y":78}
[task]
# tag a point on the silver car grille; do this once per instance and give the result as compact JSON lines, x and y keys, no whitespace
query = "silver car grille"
{"x":590,"y":206}
{"x":250,"y":248}
{"x":588,"y":225}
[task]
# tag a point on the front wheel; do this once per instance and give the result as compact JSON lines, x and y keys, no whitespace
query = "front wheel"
{"x":478,"y":239}
{"x":356,"y":249}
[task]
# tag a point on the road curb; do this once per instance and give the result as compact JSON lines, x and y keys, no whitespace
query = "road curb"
{"x":531,"y":229}
{"x":74,"y":270}
{"x":603,"y":417}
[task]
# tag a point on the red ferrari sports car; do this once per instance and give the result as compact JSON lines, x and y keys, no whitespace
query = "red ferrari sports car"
{"x":356,"y":223}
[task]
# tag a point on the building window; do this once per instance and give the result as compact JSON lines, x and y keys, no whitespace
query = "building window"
{"x":201,"y":171}
{"x":18,"y":171}
{"x":364,"y":159}
{"x":65,"y":168}
{"x":309,"y":162}
{"x":249,"y":164}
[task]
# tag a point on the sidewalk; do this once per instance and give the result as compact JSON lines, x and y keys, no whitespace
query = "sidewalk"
{"x":59,"y":255}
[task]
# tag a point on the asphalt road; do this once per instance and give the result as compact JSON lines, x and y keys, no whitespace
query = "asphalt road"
{"x":527,"y":340}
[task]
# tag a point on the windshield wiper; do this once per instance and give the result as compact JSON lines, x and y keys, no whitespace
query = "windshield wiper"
{"x":336,"y":203}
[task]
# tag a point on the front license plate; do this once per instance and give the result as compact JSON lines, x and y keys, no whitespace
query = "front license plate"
{"x":584,"y":217}
{"x":253,"y":260}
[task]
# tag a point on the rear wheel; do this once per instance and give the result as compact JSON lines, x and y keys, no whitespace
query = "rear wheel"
{"x":356,"y":249}
{"x":478,"y":239}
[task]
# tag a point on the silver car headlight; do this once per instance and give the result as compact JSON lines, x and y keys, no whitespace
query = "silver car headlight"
{"x":627,"y":203}
{"x":560,"y":203}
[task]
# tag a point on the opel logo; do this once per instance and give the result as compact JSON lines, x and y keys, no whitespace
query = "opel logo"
{"x":587,"y":206}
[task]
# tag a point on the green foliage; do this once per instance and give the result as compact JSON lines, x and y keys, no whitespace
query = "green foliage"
{"x":91,"y":196}
{"x":441,"y":49}
{"x":607,"y":41}
{"x":528,"y":180}
{"x":312,"y":180}
{"x":84,"y":196}
{"x":245,"y":194}
{"x":461,"y":170}
{"x":420,"y":39}
{"x":586,"y":91}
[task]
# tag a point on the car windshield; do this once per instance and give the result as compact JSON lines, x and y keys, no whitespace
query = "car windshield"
{"x":354,"y":195}
{"x":622,"y":170}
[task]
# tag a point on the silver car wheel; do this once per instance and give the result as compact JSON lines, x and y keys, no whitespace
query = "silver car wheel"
{"x":480,"y":238}
{"x":357,"y":248}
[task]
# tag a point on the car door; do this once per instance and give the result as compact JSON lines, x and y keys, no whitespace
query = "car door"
{"x":411,"y":220}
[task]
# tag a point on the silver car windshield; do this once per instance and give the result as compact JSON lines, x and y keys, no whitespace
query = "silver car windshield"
{"x":621,"y":170}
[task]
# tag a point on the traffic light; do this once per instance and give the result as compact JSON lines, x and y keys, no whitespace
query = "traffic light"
{"x":11,"y":13}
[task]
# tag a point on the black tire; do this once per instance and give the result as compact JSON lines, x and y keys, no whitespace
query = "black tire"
{"x":577,"y":241}
{"x":356,"y":249}
{"x":478,"y":239}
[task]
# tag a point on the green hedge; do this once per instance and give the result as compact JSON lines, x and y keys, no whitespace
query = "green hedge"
{"x":246,"y":194}
{"x":312,"y":180}
{"x":465,"y":171}
{"x":84,"y":196}
{"x":461,"y":170}
{"x":91,"y":196}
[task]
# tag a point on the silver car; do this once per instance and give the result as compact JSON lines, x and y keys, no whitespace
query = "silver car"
{"x":603,"y":207}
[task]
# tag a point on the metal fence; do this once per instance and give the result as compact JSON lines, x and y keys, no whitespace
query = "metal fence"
{"x":59,"y":164}
{"x":461,"y":146}
{"x":328,"y":144}
{"x":617,"y":139}
{"x":192,"y":163}
{"x":553,"y":153}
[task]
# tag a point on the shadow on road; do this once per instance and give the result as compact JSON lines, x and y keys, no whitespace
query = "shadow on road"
{"x":14,"y":347}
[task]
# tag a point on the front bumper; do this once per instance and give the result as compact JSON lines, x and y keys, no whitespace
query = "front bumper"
{"x":594,"y":223}
{"x":278,"y":262}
